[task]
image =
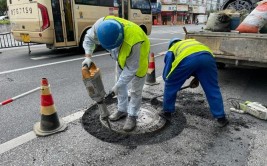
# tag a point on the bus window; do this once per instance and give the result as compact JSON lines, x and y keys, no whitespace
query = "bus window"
{"x":109,"y":3}
{"x":57,"y":21}
{"x":142,"y":5}
{"x":86,"y":2}
{"x":125,"y":9}
{"x":68,"y":20}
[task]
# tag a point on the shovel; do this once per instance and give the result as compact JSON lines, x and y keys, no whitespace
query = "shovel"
{"x":193,"y":84}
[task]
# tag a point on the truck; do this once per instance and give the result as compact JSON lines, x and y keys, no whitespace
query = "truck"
{"x":234,"y":48}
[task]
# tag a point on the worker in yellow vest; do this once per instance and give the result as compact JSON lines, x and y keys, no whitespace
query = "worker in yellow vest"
{"x":186,"y":58}
{"x":129,"y":46}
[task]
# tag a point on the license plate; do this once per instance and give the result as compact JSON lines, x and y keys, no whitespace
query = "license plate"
{"x":25,"y":38}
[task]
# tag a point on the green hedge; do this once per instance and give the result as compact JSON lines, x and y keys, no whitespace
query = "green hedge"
{"x":4,"y":22}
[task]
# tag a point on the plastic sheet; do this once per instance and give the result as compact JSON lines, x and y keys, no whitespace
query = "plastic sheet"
{"x":255,"y":20}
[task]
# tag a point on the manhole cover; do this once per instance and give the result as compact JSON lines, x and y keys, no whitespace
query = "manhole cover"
{"x":92,"y":124}
{"x":148,"y":121}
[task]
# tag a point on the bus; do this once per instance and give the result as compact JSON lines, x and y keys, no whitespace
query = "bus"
{"x":63,"y":23}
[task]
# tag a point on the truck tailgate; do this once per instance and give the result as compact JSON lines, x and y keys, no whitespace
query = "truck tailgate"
{"x":242,"y":46}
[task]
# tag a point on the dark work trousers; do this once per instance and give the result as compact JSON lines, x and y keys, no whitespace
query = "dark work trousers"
{"x":202,"y":65}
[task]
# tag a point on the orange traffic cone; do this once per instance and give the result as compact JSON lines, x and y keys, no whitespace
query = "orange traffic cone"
{"x":151,"y":73}
{"x":50,"y":123}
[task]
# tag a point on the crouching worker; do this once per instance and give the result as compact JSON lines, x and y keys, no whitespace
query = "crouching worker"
{"x":186,"y":58}
{"x":129,"y":46}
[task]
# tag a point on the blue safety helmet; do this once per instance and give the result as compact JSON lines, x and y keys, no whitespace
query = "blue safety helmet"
{"x":110,"y":34}
{"x":173,"y":41}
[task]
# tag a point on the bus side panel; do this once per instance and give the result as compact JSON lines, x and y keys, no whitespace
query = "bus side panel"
{"x":17,"y":2}
{"x":26,"y":21}
{"x":25,"y":17}
{"x":47,"y":36}
{"x":86,"y":16}
{"x":140,"y":19}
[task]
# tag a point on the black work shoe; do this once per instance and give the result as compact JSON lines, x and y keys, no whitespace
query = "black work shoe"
{"x":117,"y":115}
{"x":130,"y":123}
{"x":166,"y":115}
{"x":222,"y":122}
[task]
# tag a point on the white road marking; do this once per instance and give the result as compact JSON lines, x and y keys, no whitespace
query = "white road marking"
{"x":158,"y":39}
{"x":168,"y":32}
{"x":17,"y":142}
{"x":47,"y":64}
{"x":39,"y":58}
{"x":59,"y":62}
{"x":31,"y":135}
{"x":9,"y":145}
{"x":47,"y":57}
{"x":159,"y":44}
{"x":160,"y":54}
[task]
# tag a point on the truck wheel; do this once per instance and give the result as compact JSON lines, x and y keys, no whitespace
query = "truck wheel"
{"x":238,"y":5}
{"x":220,"y":65}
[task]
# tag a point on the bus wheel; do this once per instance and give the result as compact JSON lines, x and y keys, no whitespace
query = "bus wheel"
{"x":81,"y":41}
{"x":144,"y":28}
{"x":50,"y":46}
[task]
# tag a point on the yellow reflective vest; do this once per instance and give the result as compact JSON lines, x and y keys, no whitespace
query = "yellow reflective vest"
{"x":184,"y":48}
{"x":133,"y":34}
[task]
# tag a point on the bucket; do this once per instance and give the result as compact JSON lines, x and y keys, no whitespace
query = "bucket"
{"x":235,"y":21}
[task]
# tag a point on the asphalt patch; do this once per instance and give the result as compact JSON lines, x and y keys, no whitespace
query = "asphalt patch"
{"x":188,"y":103}
{"x":92,"y":124}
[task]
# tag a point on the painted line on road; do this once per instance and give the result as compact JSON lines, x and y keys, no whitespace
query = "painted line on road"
{"x":9,"y":145}
{"x":159,"y":44}
{"x":39,"y":58}
{"x":158,"y":39}
{"x":51,"y":56}
{"x":17,"y":141}
{"x":48,"y":64}
{"x":160,"y":54}
{"x":31,"y":135}
{"x":47,"y":57}
{"x":37,"y":66}
{"x":59,"y":62}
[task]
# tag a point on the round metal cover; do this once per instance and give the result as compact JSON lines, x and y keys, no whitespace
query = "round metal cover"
{"x":148,"y":121}
{"x":93,"y":125}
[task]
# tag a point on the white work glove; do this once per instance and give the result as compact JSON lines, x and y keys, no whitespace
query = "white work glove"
{"x":87,"y":61}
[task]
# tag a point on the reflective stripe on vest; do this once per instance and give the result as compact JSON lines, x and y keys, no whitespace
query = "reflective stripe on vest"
{"x":133,"y":34}
{"x":185,"y":48}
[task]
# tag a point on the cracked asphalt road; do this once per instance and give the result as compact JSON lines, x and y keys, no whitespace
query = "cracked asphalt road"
{"x":191,"y":139}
